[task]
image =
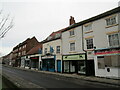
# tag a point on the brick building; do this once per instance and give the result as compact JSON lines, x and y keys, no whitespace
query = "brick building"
{"x":22,"y":48}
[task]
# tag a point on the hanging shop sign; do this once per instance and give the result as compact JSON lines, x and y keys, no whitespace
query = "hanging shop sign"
{"x":74,"y":57}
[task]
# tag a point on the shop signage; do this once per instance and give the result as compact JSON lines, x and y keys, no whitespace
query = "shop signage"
{"x":33,"y":58}
{"x":107,"y":52}
{"x":74,"y":57}
{"x":47,"y":57}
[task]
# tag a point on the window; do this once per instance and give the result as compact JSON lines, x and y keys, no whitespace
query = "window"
{"x":72,"y":46}
{"x":19,"y":54}
{"x":49,"y":38}
{"x":89,"y":43}
{"x":101,"y":63}
{"x":108,"y":61}
{"x":58,"y":49}
{"x":88,"y":27}
{"x":111,"y":20}
{"x":45,"y":50}
{"x":72,"y":33}
{"x":113,"y":40}
{"x":57,"y":35}
{"x":20,"y":48}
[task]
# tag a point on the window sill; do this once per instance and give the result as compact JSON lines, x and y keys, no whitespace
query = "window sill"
{"x":90,"y":50}
{"x":111,"y":25}
{"x":71,"y":36}
{"x":72,"y":52}
{"x":88,"y":32}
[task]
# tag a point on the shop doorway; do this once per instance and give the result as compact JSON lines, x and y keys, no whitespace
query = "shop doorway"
{"x":58,"y":65}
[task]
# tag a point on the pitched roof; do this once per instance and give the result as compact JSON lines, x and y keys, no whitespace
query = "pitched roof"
{"x":110,"y":12}
{"x":24,"y":42}
{"x":54,"y":36}
{"x":35,"y":49}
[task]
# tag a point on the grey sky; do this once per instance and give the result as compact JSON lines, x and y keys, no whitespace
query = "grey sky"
{"x":40,"y":18}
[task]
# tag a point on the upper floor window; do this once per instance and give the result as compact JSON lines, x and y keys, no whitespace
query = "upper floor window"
{"x":57,"y":35}
{"x":72,"y":33}
{"x":111,"y":21}
{"x":88,"y":27}
{"x":20,"y":48}
{"x":113,"y":39}
{"x":89,"y":43}
{"x":72,"y":46}
{"x":57,"y":49}
{"x":45,"y":50}
{"x":50,"y":37}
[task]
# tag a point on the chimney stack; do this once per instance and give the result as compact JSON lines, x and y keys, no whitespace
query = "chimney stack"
{"x":71,"y":20}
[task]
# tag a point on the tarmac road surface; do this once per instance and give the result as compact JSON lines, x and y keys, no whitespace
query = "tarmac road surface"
{"x":50,"y":81}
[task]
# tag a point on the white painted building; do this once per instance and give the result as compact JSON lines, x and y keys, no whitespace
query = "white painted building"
{"x":52,"y":54}
{"x":100,"y":34}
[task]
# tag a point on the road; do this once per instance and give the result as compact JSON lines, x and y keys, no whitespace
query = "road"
{"x":52,"y":81}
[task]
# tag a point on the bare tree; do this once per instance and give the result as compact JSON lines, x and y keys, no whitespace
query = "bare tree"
{"x":5,"y":24}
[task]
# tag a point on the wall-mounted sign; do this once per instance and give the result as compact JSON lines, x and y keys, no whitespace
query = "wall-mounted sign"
{"x":48,"y":57}
{"x":74,"y":57}
{"x":34,"y":58}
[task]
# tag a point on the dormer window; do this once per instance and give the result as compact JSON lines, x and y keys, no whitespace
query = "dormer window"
{"x":57,"y":35}
{"x":49,"y":38}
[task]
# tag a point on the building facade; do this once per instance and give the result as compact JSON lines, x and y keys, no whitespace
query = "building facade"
{"x":21,"y":50}
{"x":100,"y":34}
{"x":52,"y":54}
{"x":74,"y":57}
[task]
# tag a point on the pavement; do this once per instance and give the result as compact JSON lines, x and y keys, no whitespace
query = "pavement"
{"x":76,"y":76}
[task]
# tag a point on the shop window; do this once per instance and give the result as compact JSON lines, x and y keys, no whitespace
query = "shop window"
{"x":81,"y":67}
{"x":115,"y":61}
{"x":66,"y":66}
{"x":51,"y":64}
{"x":101,"y":64}
{"x":108,"y":61}
{"x":89,"y":43}
{"x":113,"y":40}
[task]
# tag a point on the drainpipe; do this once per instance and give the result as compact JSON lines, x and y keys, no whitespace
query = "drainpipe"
{"x":84,"y":51}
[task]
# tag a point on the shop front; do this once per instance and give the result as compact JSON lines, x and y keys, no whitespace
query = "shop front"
{"x":107,"y":62}
{"x":75,"y":63}
{"x":34,"y":62}
{"x":48,"y":63}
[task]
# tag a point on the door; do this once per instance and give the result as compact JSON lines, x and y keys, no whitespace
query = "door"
{"x":58,"y":65}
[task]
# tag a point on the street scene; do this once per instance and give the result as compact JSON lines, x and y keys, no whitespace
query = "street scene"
{"x":39,"y":50}
{"x":32,"y":79}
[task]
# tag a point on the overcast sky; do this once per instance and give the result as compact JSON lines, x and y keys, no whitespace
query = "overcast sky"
{"x":40,"y":18}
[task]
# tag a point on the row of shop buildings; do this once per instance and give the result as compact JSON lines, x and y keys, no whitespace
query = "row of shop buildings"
{"x":89,"y":47}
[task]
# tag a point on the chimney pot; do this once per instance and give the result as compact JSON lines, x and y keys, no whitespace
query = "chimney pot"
{"x":71,"y":20}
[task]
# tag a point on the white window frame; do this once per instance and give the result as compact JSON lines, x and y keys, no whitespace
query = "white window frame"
{"x":72,"y":33}
{"x":72,"y":46}
{"x":91,"y":43}
{"x":88,"y":27}
{"x":115,"y":41}
{"x":111,"y":20}
{"x":45,"y":51}
{"x":57,"y":49}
